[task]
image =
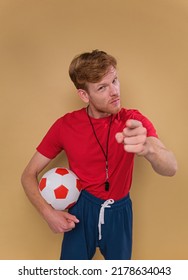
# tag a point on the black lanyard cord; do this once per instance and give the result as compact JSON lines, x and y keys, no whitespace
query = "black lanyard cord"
{"x":107,"y":184}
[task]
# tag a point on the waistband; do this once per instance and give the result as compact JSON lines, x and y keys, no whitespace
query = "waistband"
{"x":98,"y":201}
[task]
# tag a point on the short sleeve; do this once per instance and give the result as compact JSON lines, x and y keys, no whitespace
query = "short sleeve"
{"x":51,"y":145}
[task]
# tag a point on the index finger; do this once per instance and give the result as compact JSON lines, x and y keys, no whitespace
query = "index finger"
{"x":133,"y":123}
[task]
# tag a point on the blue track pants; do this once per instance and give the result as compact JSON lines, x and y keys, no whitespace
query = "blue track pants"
{"x":104,"y":224}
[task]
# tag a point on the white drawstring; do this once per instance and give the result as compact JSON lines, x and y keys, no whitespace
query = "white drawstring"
{"x":101,"y":214}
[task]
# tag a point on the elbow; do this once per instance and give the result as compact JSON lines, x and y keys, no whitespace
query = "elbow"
{"x":25,"y":177}
{"x":22,"y":179}
{"x":172,"y":166}
{"x":171,"y":169}
{"x":174,"y":169}
{"x":168,"y":170}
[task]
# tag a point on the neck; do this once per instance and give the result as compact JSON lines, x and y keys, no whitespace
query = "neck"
{"x":96,"y":114}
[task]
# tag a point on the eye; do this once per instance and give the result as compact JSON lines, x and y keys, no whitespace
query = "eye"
{"x":115,"y":81}
{"x":101,"y":88}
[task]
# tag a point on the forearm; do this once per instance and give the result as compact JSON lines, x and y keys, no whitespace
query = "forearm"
{"x":162,"y":160}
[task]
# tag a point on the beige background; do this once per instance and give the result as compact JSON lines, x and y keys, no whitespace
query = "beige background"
{"x":38,"y":39}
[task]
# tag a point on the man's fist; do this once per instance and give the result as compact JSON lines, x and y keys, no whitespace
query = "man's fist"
{"x":133,"y":137}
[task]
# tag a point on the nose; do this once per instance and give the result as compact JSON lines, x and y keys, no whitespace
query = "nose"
{"x":114,"y":90}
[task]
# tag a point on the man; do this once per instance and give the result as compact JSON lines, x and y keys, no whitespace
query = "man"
{"x":100,"y":141}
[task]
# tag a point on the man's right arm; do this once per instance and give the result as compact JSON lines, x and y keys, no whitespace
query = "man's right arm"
{"x":58,"y":221}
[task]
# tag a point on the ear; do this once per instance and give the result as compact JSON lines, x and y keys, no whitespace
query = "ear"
{"x":83,"y":95}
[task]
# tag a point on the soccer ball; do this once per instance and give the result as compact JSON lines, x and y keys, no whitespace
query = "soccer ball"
{"x":60,"y":187}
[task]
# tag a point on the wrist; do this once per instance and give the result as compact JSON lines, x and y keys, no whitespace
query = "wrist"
{"x":148,"y":150}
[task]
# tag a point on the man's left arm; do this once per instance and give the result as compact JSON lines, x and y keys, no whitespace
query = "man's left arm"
{"x":135,"y":140}
{"x":162,"y":160}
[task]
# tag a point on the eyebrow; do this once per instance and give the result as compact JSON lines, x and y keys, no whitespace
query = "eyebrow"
{"x":103,"y":84}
